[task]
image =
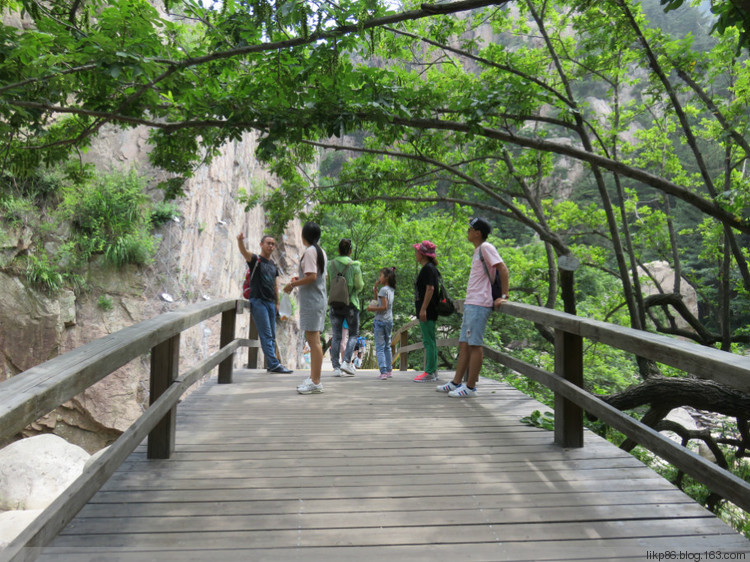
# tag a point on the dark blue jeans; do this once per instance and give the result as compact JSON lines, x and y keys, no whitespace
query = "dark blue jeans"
{"x":383,"y":352}
{"x":264,"y":316}
{"x":351,"y":315}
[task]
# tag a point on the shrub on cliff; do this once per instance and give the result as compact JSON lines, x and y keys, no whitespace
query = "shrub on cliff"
{"x":110,"y":215}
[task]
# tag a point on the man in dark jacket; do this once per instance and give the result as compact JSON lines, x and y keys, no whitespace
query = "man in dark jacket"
{"x":264,"y":298}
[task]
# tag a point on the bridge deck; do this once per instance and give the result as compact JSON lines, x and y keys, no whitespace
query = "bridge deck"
{"x":383,"y":470}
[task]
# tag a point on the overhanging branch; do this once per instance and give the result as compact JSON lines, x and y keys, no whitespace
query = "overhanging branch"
{"x":706,"y":206}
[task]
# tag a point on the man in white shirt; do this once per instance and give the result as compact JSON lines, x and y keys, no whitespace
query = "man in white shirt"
{"x":485,"y":265}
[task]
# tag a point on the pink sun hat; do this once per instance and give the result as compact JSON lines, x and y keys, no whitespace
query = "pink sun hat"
{"x":426,"y":248}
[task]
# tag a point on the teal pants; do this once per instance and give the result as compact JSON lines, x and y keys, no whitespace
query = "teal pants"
{"x":430,"y":346}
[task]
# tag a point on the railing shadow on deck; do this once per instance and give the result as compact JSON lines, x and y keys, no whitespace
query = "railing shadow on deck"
{"x":571,"y":400}
{"x":37,"y":391}
{"x":32,"y":394}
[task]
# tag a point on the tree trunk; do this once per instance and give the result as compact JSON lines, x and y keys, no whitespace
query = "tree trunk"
{"x":669,"y":393}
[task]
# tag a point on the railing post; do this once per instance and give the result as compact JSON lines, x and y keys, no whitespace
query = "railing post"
{"x":569,"y":366}
{"x":404,"y":355}
{"x":567,"y":265}
{"x":228,"y":324}
{"x":393,"y":353}
{"x":165,"y":361}
{"x":252,"y":352}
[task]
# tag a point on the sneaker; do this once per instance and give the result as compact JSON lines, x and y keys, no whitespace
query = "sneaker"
{"x":309,"y":387}
{"x":348,"y":369}
{"x":448,"y":387}
{"x":384,"y":376}
{"x":337,"y":372}
{"x":463,"y":391}
{"x":389,"y":374}
{"x":280,"y":369}
{"x":426,"y":377}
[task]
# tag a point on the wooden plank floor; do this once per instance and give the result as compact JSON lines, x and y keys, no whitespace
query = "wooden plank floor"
{"x":383,"y":470}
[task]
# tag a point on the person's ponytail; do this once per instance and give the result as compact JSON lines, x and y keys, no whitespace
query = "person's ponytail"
{"x":311,"y":234}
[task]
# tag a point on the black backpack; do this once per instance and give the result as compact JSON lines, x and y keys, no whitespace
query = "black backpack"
{"x":338,"y":296}
{"x":497,"y":287}
{"x":445,"y":306}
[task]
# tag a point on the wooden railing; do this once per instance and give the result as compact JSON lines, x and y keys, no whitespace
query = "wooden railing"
{"x":571,"y":400}
{"x":29,"y":395}
{"x":32,"y":394}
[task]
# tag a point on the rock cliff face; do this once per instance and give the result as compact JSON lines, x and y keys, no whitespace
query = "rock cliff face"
{"x":197,"y":259}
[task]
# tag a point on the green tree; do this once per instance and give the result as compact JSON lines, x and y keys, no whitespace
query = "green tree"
{"x":451,"y":159}
{"x":571,"y":122}
{"x":468,"y":119}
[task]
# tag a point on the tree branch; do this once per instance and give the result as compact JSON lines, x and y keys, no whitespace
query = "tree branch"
{"x":486,"y":62}
{"x":706,"y":206}
{"x":689,"y":136}
{"x":515,"y":213}
{"x":673,"y":392}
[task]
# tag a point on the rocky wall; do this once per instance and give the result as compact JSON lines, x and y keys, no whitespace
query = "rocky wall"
{"x":197,"y":259}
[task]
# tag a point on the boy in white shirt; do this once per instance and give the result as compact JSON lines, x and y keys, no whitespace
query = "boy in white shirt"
{"x":478,"y":305}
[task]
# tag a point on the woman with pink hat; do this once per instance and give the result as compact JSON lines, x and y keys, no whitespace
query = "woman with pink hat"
{"x":426,"y":300}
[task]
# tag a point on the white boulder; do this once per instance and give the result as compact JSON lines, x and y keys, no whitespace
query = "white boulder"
{"x":13,"y":522}
{"x":93,"y":458}
{"x":683,"y":417}
{"x":34,"y":471}
{"x":663,"y":273}
{"x":686,"y":420}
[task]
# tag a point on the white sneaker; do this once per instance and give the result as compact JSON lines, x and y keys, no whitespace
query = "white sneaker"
{"x":309,"y":387}
{"x":447,"y":387}
{"x":463,"y":391}
{"x":337,"y":372}
{"x":348,"y":369}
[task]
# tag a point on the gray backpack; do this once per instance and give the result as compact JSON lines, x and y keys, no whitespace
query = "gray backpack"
{"x":338,"y":296}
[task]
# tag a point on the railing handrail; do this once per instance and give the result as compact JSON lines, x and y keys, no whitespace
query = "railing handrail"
{"x":716,"y":478}
{"x":688,"y":356}
{"x":35,"y":392}
{"x":726,"y":368}
{"x":28,"y":396}
{"x":408,"y":326}
{"x":696,"y":359}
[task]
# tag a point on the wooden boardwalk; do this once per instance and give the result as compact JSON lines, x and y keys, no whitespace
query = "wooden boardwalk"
{"x":383,"y":470}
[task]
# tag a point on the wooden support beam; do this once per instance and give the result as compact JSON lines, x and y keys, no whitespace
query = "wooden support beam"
{"x":228,"y":326}
{"x":165,"y":365}
{"x":568,"y":366}
{"x":403,"y":352}
{"x":252,"y":352}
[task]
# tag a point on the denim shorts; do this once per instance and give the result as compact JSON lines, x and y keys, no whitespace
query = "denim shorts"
{"x":474,"y":323}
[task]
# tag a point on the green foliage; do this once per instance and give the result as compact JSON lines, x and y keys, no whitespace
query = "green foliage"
{"x":249,"y":200}
{"x":43,"y":185}
{"x":109,"y":216}
{"x":136,"y":248}
{"x":105,"y":303}
{"x":544,"y":420}
{"x":106,"y":206}
{"x":43,"y":275}
{"x":381,"y":239}
{"x":75,"y":215}
{"x":17,"y":211}
{"x":163,"y":212}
